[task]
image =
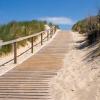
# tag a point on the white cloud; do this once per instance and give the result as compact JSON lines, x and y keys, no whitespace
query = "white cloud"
{"x":58,"y":20}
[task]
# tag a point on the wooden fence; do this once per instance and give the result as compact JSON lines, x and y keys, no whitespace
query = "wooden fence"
{"x":49,"y":33}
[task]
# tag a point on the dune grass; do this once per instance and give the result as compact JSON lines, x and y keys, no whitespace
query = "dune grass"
{"x":90,"y":27}
{"x":14,"y":30}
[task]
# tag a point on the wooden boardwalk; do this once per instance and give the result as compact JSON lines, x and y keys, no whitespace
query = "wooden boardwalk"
{"x":30,"y":80}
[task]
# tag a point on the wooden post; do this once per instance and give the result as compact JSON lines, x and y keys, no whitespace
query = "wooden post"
{"x":53,"y":30}
{"x":51,"y":34}
{"x":15,"y":52}
{"x":41,"y":38}
{"x":47,"y":35}
{"x":32,"y":45}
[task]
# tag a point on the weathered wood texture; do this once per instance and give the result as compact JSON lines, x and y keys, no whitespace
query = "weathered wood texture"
{"x":30,"y":80}
{"x":14,"y":42}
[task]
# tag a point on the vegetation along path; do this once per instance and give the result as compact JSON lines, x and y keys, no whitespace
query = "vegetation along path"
{"x":30,"y":80}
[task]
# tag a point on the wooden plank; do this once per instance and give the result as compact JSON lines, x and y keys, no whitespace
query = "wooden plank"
{"x":34,"y":74}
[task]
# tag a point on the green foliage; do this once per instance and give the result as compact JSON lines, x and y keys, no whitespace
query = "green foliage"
{"x":57,"y":26}
{"x":91,"y":28}
{"x":80,"y":26}
{"x":14,"y":30}
{"x":5,"y":50}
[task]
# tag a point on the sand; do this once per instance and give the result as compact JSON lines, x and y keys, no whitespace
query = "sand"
{"x":78,"y":79}
{"x":11,"y":65}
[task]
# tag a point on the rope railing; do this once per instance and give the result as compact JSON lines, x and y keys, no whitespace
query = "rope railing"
{"x":49,"y":33}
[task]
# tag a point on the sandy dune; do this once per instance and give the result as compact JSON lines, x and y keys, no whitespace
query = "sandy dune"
{"x":78,"y":79}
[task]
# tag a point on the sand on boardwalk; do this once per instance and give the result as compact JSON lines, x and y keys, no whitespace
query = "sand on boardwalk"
{"x":11,"y":65}
{"x":78,"y":79}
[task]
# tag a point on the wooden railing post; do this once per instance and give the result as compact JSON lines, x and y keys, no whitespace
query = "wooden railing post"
{"x":47,"y":35}
{"x":41,"y":38}
{"x":14,"y":43}
{"x":51,"y":34}
{"x":15,"y":52}
{"x":53,"y":30}
{"x":32,"y":45}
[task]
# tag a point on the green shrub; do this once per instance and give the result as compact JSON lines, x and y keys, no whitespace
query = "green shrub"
{"x":91,"y":27}
{"x":4,"y":50}
{"x":14,"y":30}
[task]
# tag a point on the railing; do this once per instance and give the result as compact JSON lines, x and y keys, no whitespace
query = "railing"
{"x":49,"y":33}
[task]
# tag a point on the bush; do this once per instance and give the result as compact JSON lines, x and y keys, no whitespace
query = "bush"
{"x":14,"y":30}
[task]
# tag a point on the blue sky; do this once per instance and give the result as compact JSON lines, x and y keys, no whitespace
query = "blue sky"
{"x":63,"y":12}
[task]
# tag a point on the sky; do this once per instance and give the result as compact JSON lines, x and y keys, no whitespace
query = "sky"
{"x":62,"y":12}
